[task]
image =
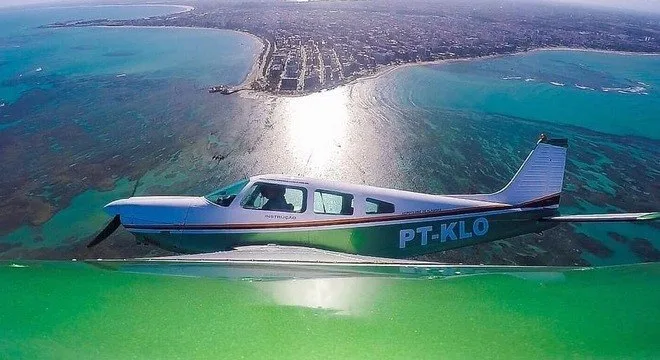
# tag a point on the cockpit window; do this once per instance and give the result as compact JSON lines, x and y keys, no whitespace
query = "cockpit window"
{"x":332,"y":202}
{"x":226,"y":195}
{"x":275,"y":197}
{"x":378,"y":207}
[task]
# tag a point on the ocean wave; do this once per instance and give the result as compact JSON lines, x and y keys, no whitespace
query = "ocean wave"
{"x":584,"y":87}
{"x":511,"y":78}
{"x":627,"y":90}
{"x":557,"y":83}
{"x":530,"y":79}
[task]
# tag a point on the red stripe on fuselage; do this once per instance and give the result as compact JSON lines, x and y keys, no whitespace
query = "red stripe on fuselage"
{"x":347,"y":221}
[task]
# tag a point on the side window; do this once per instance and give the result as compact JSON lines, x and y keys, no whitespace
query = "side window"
{"x":332,"y":202}
{"x":275,"y":197}
{"x":378,"y":207}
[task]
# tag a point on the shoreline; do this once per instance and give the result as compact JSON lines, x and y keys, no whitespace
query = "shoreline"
{"x":387,"y":69}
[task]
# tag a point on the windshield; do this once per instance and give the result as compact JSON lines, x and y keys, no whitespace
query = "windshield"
{"x":226,"y":195}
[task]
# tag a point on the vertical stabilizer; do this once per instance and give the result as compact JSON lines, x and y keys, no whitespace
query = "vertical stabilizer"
{"x":539,"y":180}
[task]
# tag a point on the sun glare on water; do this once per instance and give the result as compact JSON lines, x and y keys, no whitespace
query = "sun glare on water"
{"x":317,"y":127}
{"x":345,"y":296}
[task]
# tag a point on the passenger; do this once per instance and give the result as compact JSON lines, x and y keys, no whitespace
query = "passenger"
{"x":347,"y":205}
{"x":275,"y":196}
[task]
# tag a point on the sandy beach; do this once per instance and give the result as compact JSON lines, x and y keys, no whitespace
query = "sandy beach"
{"x":387,"y":69}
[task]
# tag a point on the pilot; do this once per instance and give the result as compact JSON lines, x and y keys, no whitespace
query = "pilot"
{"x":275,"y":196}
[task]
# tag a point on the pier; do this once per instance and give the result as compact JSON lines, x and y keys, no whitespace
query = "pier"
{"x":224,"y":90}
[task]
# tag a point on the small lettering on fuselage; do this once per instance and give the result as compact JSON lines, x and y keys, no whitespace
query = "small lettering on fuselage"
{"x":450,"y":231}
{"x":420,"y":211}
{"x":280,"y":217}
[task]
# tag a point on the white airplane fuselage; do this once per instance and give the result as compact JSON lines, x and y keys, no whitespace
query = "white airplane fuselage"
{"x":349,"y":218}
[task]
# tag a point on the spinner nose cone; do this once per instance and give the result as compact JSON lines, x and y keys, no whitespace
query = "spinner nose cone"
{"x":163,"y":210}
{"x":114,"y":208}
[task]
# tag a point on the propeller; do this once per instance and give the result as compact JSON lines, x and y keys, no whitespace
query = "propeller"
{"x":107,"y":231}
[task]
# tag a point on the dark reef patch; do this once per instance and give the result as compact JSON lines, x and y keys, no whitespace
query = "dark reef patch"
{"x":119,"y":53}
{"x":4,"y":247}
{"x":645,"y":250}
{"x":83,"y":47}
{"x":594,"y":246}
{"x":617,"y":237}
{"x":67,"y":141}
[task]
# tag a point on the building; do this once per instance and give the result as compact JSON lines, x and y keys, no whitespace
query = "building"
{"x":289,"y":83}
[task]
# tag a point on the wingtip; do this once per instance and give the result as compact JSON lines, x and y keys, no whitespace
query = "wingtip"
{"x":650,"y":216}
{"x":624,"y":217}
{"x":544,"y":139}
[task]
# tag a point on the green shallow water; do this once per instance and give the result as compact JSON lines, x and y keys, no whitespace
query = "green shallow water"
{"x":62,"y":310}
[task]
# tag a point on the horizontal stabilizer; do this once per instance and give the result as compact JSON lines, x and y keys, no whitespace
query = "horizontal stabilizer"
{"x":649,"y":216}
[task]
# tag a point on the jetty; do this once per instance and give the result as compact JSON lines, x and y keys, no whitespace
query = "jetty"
{"x":224,"y":90}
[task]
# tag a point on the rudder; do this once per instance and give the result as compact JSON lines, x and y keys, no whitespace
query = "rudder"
{"x":539,"y":180}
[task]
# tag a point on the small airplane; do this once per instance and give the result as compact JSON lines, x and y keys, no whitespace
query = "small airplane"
{"x":354,"y":219}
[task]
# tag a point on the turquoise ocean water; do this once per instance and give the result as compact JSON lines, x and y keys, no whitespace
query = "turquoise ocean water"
{"x":205,"y":56}
{"x":111,"y":99}
{"x":95,"y":114}
{"x":611,"y":93}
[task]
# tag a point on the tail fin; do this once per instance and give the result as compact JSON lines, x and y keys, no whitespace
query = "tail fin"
{"x":539,"y":180}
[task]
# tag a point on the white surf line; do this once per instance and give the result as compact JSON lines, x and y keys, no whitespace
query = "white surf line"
{"x":584,"y":87}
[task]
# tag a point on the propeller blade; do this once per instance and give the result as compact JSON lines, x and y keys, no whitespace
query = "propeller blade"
{"x":107,"y":231}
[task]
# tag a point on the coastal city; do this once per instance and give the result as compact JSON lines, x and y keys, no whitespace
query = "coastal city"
{"x":310,"y":46}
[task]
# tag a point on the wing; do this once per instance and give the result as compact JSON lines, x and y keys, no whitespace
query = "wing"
{"x":649,"y":216}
